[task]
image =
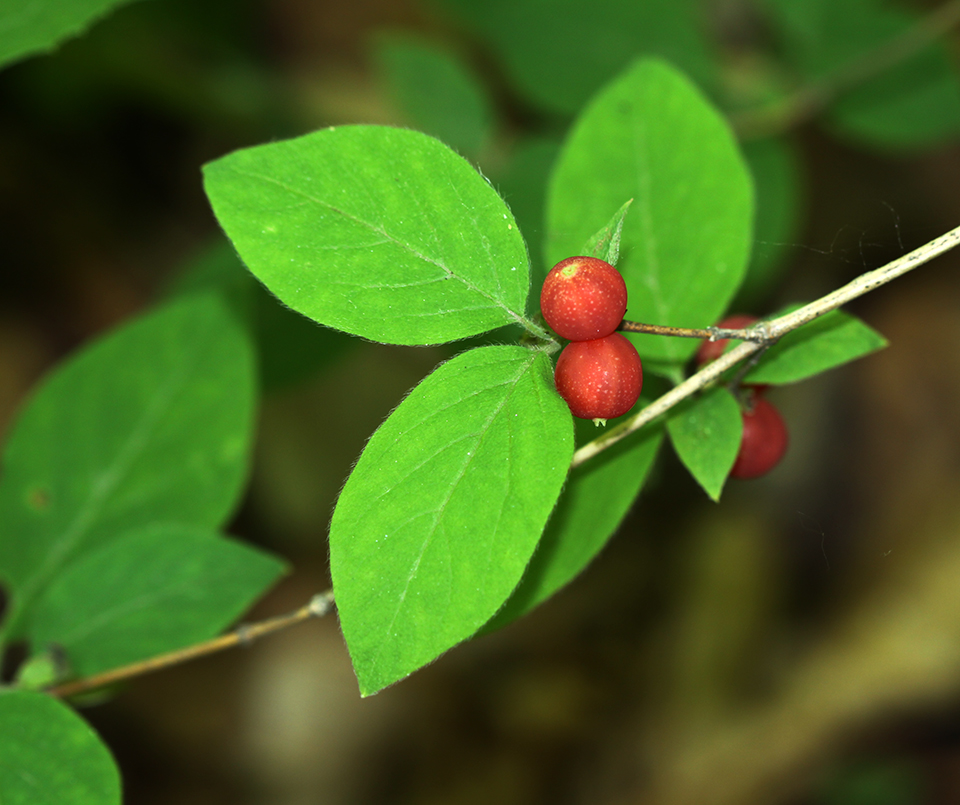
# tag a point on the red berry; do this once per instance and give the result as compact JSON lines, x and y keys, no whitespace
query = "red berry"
{"x":711,"y":350}
{"x":764,"y":441}
{"x":583,"y":298}
{"x":601,"y":378}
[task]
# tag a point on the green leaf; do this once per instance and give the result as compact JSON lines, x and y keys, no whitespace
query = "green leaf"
{"x":37,"y":26}
{"x":706,"y":433}
{"x":914,"y":105}
{"x":777,"y":178}
{"x":437,"y":522}
{"x":652,"y":137}
{"x":153,"y":590}
{"x":605,"y":244}
{"x":381,"y":232}
{"x":50,"y":756}
{"x":913,"y":102}
{"x":559,"y":52}
{"x":830,"y":341}
{"x":436,"y":92}
{"x":152,"y":422}
{"x":597,"y":496}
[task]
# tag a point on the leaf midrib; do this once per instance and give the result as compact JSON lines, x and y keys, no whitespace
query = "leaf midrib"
{"x":471,"y":456}
{"x":496,"y":303}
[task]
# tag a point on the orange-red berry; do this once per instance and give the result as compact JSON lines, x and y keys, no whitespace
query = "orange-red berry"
{"x":600,"y":378}
{"x":583,"y":298}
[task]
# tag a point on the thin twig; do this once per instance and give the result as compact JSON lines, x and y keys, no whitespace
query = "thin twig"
{"x":710,"y":333}
{"x":811,"y":100}
{"x":747,"y":367}
{"x":763,"y":334}
{"x":772,"y":330}
{"x":319,"y":605}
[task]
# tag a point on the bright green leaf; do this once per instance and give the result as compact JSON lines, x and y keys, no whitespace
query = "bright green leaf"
{"x":28,"y":27}
{"x":597,"y":496}
{"x":652,"y":137}
{"x":50,"y":756}
{"x":605,"y":244}
{"x":439,"y":518}
{"x":706,"y":433}
{"x":832,"y":340}
{"x":152,"y":422}
{"x":436,"y":92}
{"x":153,"y":590}
{"x":559,"y":52}
{"x":381,"y":232}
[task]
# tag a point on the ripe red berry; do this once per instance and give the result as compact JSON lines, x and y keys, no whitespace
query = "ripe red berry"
{"x":764,"y":441}
{"x":583,"y":298}
{"x":600,"y":378}
{"x":711,"y":350}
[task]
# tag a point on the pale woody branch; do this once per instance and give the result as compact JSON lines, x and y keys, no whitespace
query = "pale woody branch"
{"x":764,"y":333}
{"x":243,"y":635}
{"x":770,"y":332}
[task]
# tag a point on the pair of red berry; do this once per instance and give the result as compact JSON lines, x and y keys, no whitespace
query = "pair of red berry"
{"x":599,"y":373}
{"x":765,"y":437}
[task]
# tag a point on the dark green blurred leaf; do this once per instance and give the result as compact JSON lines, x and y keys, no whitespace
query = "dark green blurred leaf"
{"x":595,"y":499}
{"x":436,"y":92}
{"x":830,"y":341}
{"x":914,"y":102}
{"x":150,"y":591}
{"x":28,"y":27}
{"x":893,"y":781}
{"x":776,"y":178}
{"x":439,"y":518}
{"x":291,"y":348}
{"x":381,"y":232}
{"x":50,"y":756}
{"x":523,"y":185}
{"x":152,"y":422}
{"x":706,"y":433}
{"x":651,"y":136}
{"x":560,"y":52}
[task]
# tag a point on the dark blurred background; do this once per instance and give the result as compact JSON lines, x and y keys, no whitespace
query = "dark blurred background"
{"x":798,"y":643}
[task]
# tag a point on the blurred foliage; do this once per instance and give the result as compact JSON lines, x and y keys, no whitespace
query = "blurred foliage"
{"x":796,"y":645}
{"x":436,"y":91}
{"x":291,"y":348}
{"x":561,"y":51}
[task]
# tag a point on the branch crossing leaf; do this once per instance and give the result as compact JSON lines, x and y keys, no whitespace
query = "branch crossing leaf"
{"x":154,"y":590}
{"x":825,"y":343}
{"x":596,"y":498}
